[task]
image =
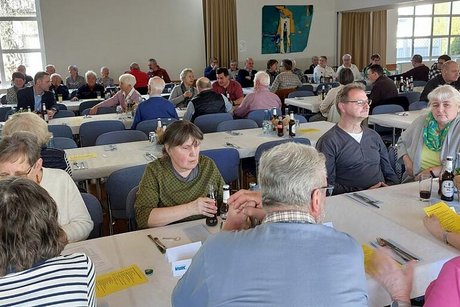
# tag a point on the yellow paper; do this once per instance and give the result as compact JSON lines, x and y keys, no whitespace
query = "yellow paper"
{"x":308,"y":130}
{"x":81,"y":156}
{"x":449,"y":220}
{"x":76,"y":120}
{"x":119,"y":280}
{"x":368,"y":252}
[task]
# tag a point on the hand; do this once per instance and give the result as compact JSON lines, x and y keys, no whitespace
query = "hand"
{"x":378,"y":185}
{"x":93,"y":111}
{"x":434,"y":227}
{"x":246,"y":198}
{"x":397,"y":281}
{"x":188,"y":94}
{"x":203,"y":205}
{"x":408,"y":165}
{"x":50,"y":113}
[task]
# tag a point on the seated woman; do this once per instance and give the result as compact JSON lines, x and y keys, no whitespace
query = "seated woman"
{"x":91,"y":89}
{"x":432,"y":137}
{"x":126,"y":94}
{"x":174,"y":187}
{"x":19,"y":82}
{"x":32,"y":272}
{"x":20,"y":156}
{"x":272,"y":69}
{"x":185,"y":91}
{"x":31,"y":122}
{"x":74,"y":81}
{"x":58,"y":88}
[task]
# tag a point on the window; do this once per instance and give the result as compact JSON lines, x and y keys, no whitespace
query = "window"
{"x":21,"y":39}
{"x":429,"y":30}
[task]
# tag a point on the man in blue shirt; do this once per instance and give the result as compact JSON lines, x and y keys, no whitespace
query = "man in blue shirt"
{"x":34,"y":97}
{"x":156,"y":106}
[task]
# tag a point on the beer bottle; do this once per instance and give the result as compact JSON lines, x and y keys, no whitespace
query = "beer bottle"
{"x":279,"y":127}
{"x":274,"y":119}
{"x":292,"y":127}
{"x":447,"y":181}
{"x":211,"y":221}
{"x":226,"y":196}
{"x":44,"y":112}
{"x":401,"y":85}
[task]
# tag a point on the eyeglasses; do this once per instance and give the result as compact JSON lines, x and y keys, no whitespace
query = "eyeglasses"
{"x":360,"y":102}
{"x":24,"y":174}
{"x":329,"y":189}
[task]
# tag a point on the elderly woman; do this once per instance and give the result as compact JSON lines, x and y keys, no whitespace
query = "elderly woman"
{"x":19,"y":82}
{"x":91,"y":89}
{"x":184,"y":92}
{"x":104,"y":79}
{"x":32,"y":272}
{"x":20,"y":156}
{"x":126,"y":94}
{"x":31,"y":122}
{"x":432,"y":137}
{"x":74,"y":81}
{"x":174,"y":187}
{"x":58,"y":88}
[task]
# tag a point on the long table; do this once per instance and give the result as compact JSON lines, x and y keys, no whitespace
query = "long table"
{"x":309,"y":103}
{"x":399,"y":218}
{"x":101,"y":161}
{"x":400,"y":120}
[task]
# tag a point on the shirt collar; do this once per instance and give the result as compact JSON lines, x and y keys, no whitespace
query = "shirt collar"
{"x":289,"y":216}
{"x":129,"y":94}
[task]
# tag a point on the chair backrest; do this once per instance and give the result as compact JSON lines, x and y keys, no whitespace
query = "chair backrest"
{"x":258,"y":115}
{"x":268,"y":145}
{"x":95,"y":211}
{"x":130,"y":213}
{"x":208,"y":122}
{"x":61,"y":106}
{"x":64,"y":113}
{"x":149,"y":125}
{"x":64,"y":143}
{"x":418,"y":105}
{"x":61,"y":131}
{"x":3,"y":99}
{"x":300,"y":94}
{"x":399,"y":100}
{"x":91,"y":130}
{"x":411,"y":96}
{"x":88,"y":104}
{"x":4,"y":112}
{"x":306,"y":87}
{"x":418,"y":83}
{"x":118,"y":186}
{"x":122,"y":136}
{"x":385,"y":109}
{"x":227,"y":161}
{"x":283,"y":94}
{"x":85,"y":112}
{"x":106,"y":110}
{"x":300,"y":118}
{"x":168,"y":87}
{"x":236,"y":124}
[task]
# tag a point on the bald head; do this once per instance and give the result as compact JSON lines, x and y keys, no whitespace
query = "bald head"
{"x":203,"y":84}
{"x":450,"y":71}
{"x":156,"y":86}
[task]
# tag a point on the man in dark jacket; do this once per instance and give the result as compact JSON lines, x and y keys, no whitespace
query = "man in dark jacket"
{"x":35,"y":96}
{"x":383,"y":87}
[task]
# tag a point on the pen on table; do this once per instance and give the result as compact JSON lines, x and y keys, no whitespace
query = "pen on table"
{"x":160,"y":246}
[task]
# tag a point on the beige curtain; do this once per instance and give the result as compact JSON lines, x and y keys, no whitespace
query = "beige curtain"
{"x":362,"y":34}
{"x":220,"y":30}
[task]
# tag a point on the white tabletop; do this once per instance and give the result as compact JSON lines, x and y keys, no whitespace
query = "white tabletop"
{"x":400,"y":120}
{"x":74,"y":105}
{"x":102,"y":162}
{"x":361,"y":222}
{"x":310,"y":103}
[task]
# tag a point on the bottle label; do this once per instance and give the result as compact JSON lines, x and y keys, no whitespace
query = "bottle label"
{"x":293,"y":128}
{"x":447,"y":188}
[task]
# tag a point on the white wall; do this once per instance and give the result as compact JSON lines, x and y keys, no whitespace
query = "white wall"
{"x":91,"y":33}
{"x":321,"y":41}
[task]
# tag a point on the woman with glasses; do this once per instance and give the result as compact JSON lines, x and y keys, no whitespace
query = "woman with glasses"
{"x":20,"y":156}
{"x":32,"y":272}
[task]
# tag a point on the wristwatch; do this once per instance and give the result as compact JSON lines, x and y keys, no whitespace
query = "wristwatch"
{"x":400,"y":304}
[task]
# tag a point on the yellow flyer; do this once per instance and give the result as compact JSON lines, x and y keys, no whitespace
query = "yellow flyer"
{"x":449,"y":220}
{"x":119,"y":280}
{"x":368,"y":252}
{"x":81,"y":156}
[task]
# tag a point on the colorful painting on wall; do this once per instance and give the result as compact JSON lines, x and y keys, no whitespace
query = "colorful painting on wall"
{"x":285,"y":28}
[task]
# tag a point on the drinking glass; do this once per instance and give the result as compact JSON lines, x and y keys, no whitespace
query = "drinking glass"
{"x":425,"y":183}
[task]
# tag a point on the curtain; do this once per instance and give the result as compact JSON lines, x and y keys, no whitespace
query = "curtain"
{"x":220,"y":33}
{"x":379,"y":35}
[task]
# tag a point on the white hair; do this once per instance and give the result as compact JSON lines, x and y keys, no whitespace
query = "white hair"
{"x":262,"y":77}
{"x":346,"y":56}
{"x":156,"y":85}
{"x":90,"y":73}
{"x":184,"y":73}
{"x":445,"y":93}
{"x":127,"y":79}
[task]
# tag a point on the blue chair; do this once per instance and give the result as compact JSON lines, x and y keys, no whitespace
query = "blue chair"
{"x":387,"y":134}
{"x":258,"y":115}
{"x":85,"y":112}
{"x":88,"y":104}
{"x":122,"y":136}
{"x":130,"y":213}
{"x":419,"y":105}
{"x":95,"y":211}
{"x":118,"y":186}
{"x":300,"y":94}
{"x":149,"y":125}
{"x":306,"y":87}
{"x":61,"y":131}
{"x":411,"y":96}
{"x":106,"y":110}
{"x":300,"y":118}
{"x":91,"y":130}
{"x":208,"y":122}
{"x":64,"y":113}
{"x":227,"y":161}
{"x":399,"y":100}
{"x":61,"y":106}
{"x":418,"y":83}
{"x":4,"y":112}
{"x":168,"y":87}
{"x":236,"y":124}
{"x":64,"y":143}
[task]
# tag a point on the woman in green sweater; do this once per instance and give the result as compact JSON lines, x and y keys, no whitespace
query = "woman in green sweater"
{"x":174,"y":188}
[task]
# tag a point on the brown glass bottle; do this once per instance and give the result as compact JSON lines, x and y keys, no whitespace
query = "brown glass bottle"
{"x":279,"y":127}
{"x":292,"y":126}
{"x":211,"y":221}
{"x":447,"y":181}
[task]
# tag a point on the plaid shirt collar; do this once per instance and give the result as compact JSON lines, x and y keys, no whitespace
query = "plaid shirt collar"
{"x":289,"y":216}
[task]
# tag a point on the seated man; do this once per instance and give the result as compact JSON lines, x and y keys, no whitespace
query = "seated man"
{"x":318,"y":266}
{"x":314,"y":63}
{"x":435,"y":69}
{"x":210,"y":70}
{"x":286,"y":78}
{"x":58,"y":87}
{"x":322,"y":72}
{"x":261,"y":98}
{"x":156,"y":71}
{"x":142,"y":79}
{"x":449,"y":75}
{"x":227,"y":87}
{"x":91,"y":89}
{"x":346,"y":63}
{"x":298,"y":72}
{"x":156,"y":106}
{"x":34,"y":97}
{"x":19,"y":82}
{"x":233,"y":69}
{"x":207,"y":101}
{"x":356,"y":158}
{"x":22,"y":69}
{"x":419,"y":72}
{"x":375,"y":60}
{"x":383,"y":87}
{"x":246,"y":76}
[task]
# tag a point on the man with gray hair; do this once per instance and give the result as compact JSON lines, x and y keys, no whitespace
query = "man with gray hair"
{"x":260,"y":99}
{"x":207,"y":101}
{"x":356,"y":157}
{"x":91,"y":89}
{"x":246,"y":75}
{"x":346,"y":63}
{"x":291,"y":259}
{"x":156,"y":106}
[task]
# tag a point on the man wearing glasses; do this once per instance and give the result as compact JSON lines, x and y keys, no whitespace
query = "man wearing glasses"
{"x":356,"y":158}
{"x":290,"y":259}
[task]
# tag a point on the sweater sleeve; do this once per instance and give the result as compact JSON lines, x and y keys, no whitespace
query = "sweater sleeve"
{"x":147,"y":197}
{"x":176,"y":96}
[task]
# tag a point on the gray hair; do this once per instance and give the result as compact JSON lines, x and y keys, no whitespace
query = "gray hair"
{"x":262,"y":77}
{"x":90,"y":73}
{"x":184,"y":73}
{"x":346,"y":56}
{"x":445,"y":93}
{"x":342,"y":95}
{"x":127,"y":79}
{"x":28,"y":122}
{"x":56,"y":75}
{"x":289,"y":173}
{"x":19,"y":145}
{"x":156,"y":84}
